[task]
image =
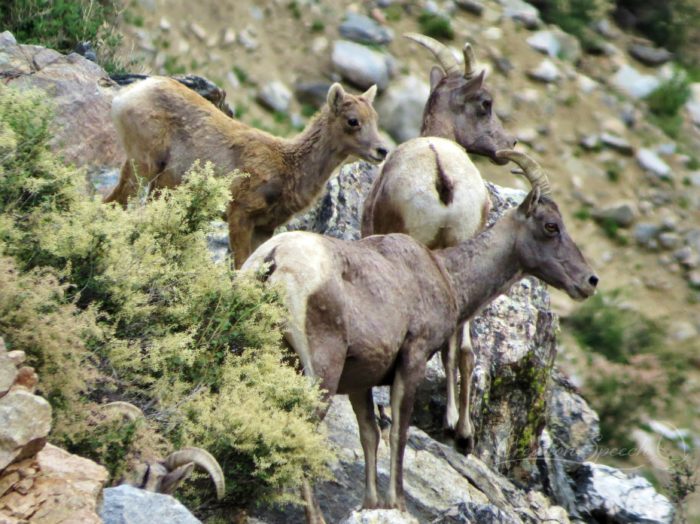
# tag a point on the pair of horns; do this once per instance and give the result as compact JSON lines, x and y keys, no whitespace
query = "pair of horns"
{"x":197,"y":456}
{"x":445,"y":57}
{"x":531,"y":169}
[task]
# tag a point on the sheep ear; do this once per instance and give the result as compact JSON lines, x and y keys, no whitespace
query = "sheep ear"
{"x":436,"y":76}
{"x":336,"y":96}
{"x":172,"y":480}
{"x":370,"y":94}
{"x":473,"y":85}
{"x":530,"y":203}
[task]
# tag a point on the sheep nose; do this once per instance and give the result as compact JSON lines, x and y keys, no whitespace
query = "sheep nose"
{"x":593,"y":280}
{"x":382,"y":152}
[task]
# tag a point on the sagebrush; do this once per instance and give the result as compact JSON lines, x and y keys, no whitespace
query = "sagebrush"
{"x":114,"y":304}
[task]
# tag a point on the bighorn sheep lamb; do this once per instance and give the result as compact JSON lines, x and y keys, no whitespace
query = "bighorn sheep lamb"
{"x":430,"y":190}
{"x":164,"y":127}
{"x":164,"y":476}
{"x":374,"y":311}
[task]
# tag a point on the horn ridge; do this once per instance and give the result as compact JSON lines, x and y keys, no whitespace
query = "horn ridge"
{"x":531,"y":168}
{"x":204,"y":460}
{"x":441,"y":52}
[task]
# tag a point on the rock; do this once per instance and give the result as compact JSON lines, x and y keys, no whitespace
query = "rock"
{"x":380,"y":516}
{"x":645,"y":232}
{"x":57,"y":487}
{"x":474,"y":7}
{"x":546,"y":72}
{"x":590,"y":142}
{"x":401,"y":106}
{"x":693,"y":278}
{"x":622,"y":214}
{"x":650,"y":56}
{"x":633,"y":83}
{"x":651,"y":162}
{"x":25,"y":421}
{"x":527,"y":135}
{"x":361,"y":65}
{"x":247,"y":39}
{"x":617,"y":142}
{"x":81,"y":93}
{"x":313,"y":94}
{"x":338,"y":212}
{"x":276,"y":96}
{"x":693,"y":103}
{"x":669,"y":240}
{"x":363,"y":29}
{"x":572,"y":424}
{"x":606,"y":29}
{"x":522,"y":11}
{"x":614,"y":497}
{"x":8,"y":373}
{"x":129,"y":505}
{"x":557,"y":44}
{"x":586,"y":84}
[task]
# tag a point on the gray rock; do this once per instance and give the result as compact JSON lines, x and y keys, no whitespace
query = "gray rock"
{"x":614,"y":497}
{"x":522,"y":11}
{"x":8,"y":373}
{"x":474,"y":7}
{"x":648,"y":55}
{"x":645,"y":232}
{"x":617,"y":142}
{"x":622,"y":214}
{"x":633,"y":83}
{"x":606,"y":29}
{"x":557,"y":44}
{"x":687,"y":257}
{"x":590,"y":142}
{"x":401,"y":106}
{"x":545,"y":72}
{"x":669,"y":240}
{"x":380,"y":516}
{"x":276,"y":96}
{"x":312,"y":93}
{"x":25,"y":421}
{"x":693,"y":103}
{"x":470,"y":513}
{"x":693,"y":278}
{"x":363,"y":29}
{"x":129,"y":505}
{"x":651,"y":162}
{"x":361,"y":65}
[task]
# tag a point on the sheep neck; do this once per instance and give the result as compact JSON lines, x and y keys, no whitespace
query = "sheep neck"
{"x":483,"y":267}
{"x":314,"y":154}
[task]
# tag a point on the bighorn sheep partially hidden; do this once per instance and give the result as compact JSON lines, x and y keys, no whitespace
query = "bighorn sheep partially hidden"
{"x":374,"y":311}
{"x":430,"y":190}
{"x":164,"y":127}
{"x":164,"y":476}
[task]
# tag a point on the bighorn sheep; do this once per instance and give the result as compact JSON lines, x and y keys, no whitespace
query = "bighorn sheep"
{"x":374,"y":311}
{"x":429,"y":189}
{"x":164,"y":127}
{"x":164,"y":476}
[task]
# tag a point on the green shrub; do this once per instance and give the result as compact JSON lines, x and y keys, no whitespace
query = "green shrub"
{"x":143,"y":313}
{"x":436,"y":25}
{"x":575,"y":17}
{"x":666,"y":101}
{"x":61,"y":24}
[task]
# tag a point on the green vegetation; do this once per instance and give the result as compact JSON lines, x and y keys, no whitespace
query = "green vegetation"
{"x":128,"y":304}
{"x":612,"y":231}
{"x":436,"y":25}
{"x":631,"y":373}
{"x":613,"y":170}
{"x":318,"y":26}
{"x":61,"y":24}
{"x":575,"y":17}
{"x":666,"y":101}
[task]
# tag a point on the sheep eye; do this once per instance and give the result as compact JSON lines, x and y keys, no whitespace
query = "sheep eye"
{"x":353,"y":122}
{"x":551,"y":228}
{"x":486,"y":106}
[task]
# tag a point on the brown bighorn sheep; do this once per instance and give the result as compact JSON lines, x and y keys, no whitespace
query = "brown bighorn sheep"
{"x":164,"y":476}
{"x":430,"y":190}
{"x":374,"y":311}
{"x":164,"y":127}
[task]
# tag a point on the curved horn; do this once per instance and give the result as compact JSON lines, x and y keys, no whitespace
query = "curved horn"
{"x":126,"y":409}
{"x":204,"y":460}
{"x":441,"y":52}
{"x":532,"y":170}
{"x":469,"y":61}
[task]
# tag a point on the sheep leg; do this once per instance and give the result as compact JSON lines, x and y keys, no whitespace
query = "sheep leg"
{"x":363,"y":406}
{"x":240,"y":236}
{"x":128,"y":184}
{"x":311,"y":507}
{"x":449,"y":361}
{"x":403,"y":391}
{"x":465,"y":430}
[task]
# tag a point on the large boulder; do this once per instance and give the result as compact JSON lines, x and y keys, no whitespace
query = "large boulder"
{"x":130,"y":505}
{"x":54,"y":487}
{"x":80,"y":92}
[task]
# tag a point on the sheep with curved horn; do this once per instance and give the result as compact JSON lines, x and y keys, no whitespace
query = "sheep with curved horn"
{"x":429,"y":189}
{"x":164,"y":476}
{"x":374,"y":311}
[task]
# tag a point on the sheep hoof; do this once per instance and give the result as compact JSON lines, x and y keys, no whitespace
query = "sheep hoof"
{"x":465,"y":445}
